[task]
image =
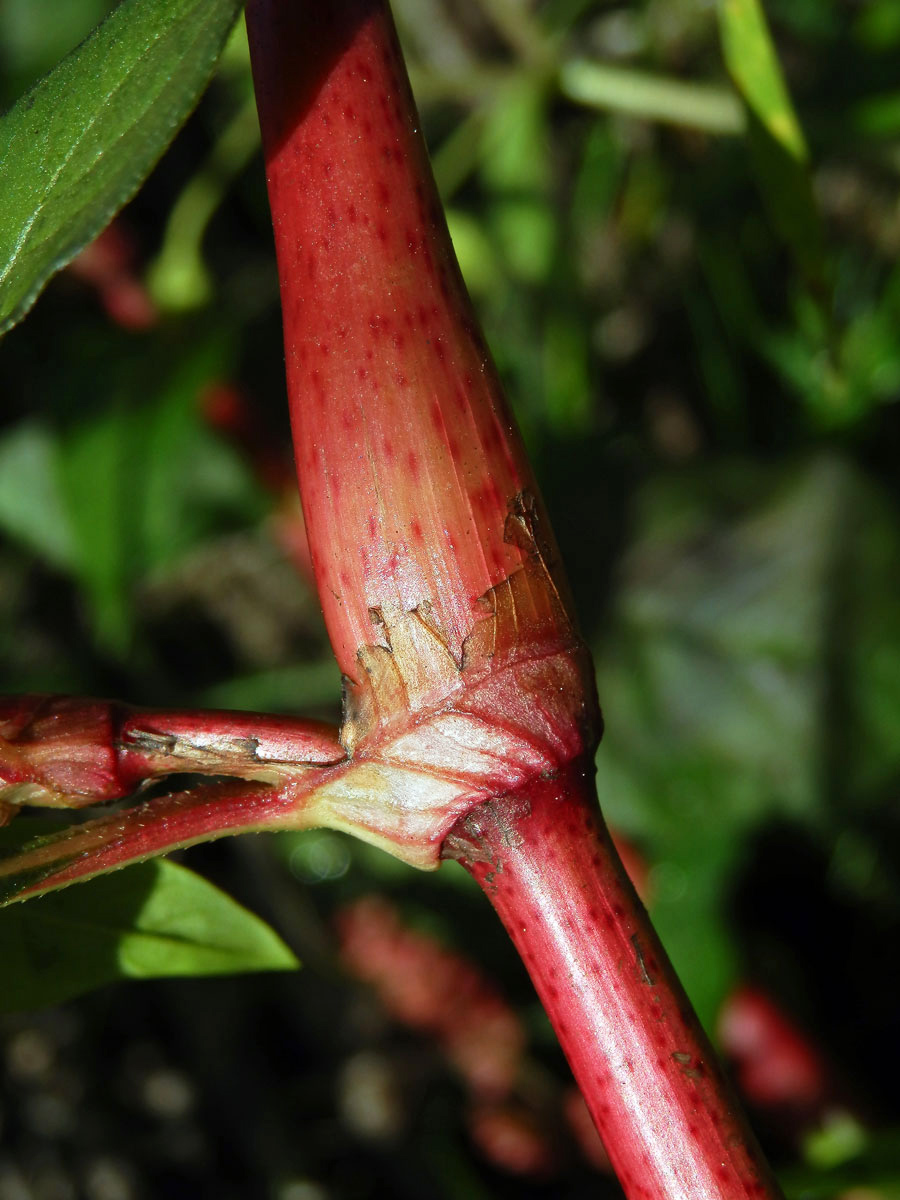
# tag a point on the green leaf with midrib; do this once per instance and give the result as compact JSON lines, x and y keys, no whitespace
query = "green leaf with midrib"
{"x":76,"y":147}
{"x":153,"y":920}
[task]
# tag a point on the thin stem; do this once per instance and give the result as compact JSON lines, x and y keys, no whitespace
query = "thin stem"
{"x":652,"y":97}
{"x":672,"y":1127}
{"x":69,"y":751}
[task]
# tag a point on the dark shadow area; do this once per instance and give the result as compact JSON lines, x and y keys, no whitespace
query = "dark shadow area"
{"x":822,"y":951}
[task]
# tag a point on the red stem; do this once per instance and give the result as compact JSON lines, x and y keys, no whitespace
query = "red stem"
{"x":406,"y":451}
{"x":68,"y":751}
{"x":668,"y":1118}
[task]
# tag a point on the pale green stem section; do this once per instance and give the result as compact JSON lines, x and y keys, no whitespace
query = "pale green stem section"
{"x":708,"y":107}
{"x":178,"y":279}
{"x":653,"y":97}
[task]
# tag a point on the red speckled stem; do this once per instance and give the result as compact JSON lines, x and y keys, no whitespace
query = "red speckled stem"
{"x":407,"y":455}
{"x":671,"y":1126}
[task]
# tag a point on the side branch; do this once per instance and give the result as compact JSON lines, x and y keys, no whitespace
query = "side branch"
{"x":68,"y":752}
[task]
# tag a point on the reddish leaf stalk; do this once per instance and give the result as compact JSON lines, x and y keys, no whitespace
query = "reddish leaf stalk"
{"x":65,"y":752}
{"x":443,"y":595}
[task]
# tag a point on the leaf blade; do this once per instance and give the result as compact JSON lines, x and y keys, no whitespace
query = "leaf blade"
{"x":777,"y":143}
{"x":32,"y":504}
{"x":77,"y":146}
{"x":154,"y":920}
{"x":753,"y":65}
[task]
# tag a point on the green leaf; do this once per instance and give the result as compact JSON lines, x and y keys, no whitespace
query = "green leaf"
{"x":153,"y":920}
{"x":32,"y":508}
{"x":79,"y":144}
{"x":779,"y":149}
{"x":753,"y":65}
{"x":752,"y":659}
{"x":96,"y":474}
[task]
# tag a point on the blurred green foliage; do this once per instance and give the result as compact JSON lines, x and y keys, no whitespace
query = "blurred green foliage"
{"x":685,"y":257}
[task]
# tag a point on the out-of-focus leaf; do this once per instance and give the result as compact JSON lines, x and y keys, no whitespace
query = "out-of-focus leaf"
{"x":864,"y":749}
{"x":877,"y":25}
{"x":840,"y":389}
{"x":31,"y":503}
{"x":779,"y":148}
{"x":753,"y":65}
{"x":154,"y":920}
{"x":599,"y":177}
{"x":524,"y":230}
{"x":725,"y":385}
{"x":144,"y":479}
{"x":839,"y":1140}
{"x":567,"y":382}
{"x":77,"y":146}
{"x":38,"y":33}
{"x":515,"y":141}
{"x":313,"y":685}
{"x":878,"y":116}
{"x":755,"y":625}
{"x":97,"y":471}
{"x":475,"y":252}
{"x":178,"y":280}
{"x":873,"y":1171}
{"x":193,"y":484}
{"x":643,"y":200}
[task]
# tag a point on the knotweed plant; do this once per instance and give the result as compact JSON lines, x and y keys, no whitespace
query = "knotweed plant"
{"x":470,"y":718}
